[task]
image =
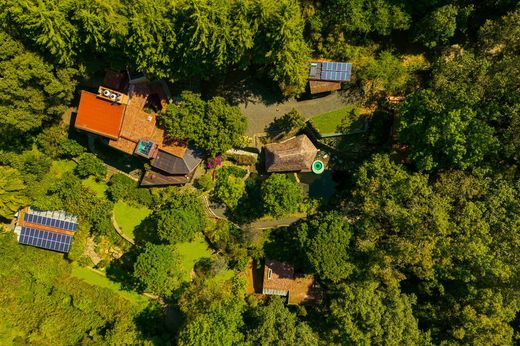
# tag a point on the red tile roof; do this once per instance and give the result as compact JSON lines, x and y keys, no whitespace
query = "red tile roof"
{"x":99,"y":116}
{"x":280,"y":279}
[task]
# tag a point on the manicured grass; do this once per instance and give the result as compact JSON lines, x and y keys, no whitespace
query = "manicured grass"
{"x":328,"y":122}
{"x":99,"y":280}
{"x":61,"y":167}
{"x":191,"y":252}
{"x":99,"y":187}
{"x":129,"y":217}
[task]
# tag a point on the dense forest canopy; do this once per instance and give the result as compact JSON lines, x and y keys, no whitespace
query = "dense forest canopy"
{"x":420,"y":244}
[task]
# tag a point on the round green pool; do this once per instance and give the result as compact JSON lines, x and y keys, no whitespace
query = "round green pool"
{"x":318,"y":167}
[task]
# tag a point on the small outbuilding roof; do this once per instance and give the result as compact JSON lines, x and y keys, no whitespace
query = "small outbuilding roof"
{"x":52,"y":230}
{"x":172,"y":164}
{"x":99,"y":116}
{"x":280,"y":279}
{"x":292,"y":155}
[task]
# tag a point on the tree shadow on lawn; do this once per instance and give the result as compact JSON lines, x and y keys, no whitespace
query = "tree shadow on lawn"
{"x":146,"y":232}
{"x":160,"y":324}
{"x":121,"y":269}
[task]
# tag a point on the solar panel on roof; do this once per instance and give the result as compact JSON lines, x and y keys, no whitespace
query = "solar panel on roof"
{"x":336,"y":71}
{"x":44,"y":239}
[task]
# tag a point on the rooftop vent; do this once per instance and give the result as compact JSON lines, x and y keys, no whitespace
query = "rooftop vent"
{"x":112,"y":95}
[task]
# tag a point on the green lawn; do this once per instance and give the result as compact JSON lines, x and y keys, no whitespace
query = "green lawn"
{"x":97,"y":279}
{"x":129,"y":217}
{"x":98,"y":187}
{"x":191,"y":252}
{"x":328,"y":122}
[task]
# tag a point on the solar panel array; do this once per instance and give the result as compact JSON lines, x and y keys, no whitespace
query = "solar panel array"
{"x":47,"y":221}
{"x":336,"y":71}
{"x":44,"y":239}
{"x":47,"y":229}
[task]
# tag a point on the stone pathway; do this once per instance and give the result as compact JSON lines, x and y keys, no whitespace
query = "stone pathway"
{"x":119,"y":231}
{"x":274,"y":223}
{"x":90,"y":251}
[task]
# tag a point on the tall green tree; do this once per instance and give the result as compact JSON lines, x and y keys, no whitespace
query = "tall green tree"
{"x":368,"y":314}
{"x":274,"y":324}
{"x":216,"y":34}
{"x":280,"y":46}
{"x":33,"y":92}
{"x":213,"y":313}
{"x":229,"y":190}
{"x":212,"y":126}
{"x":326,"y":241}
{"x":152,"y":37}
{"x":438,"y":26}
{"x":68,"y":31}
{"x":452,"y":241}
{"x":89,"y":164}
{"x":158,"y":269}
{"x":281,"y":195}
{"x":180,"y":218}
{"x":441,"y":137}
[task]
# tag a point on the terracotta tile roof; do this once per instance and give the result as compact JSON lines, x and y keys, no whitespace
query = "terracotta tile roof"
{"x":138,"y":124}
{"x":295,"y":154}
{"x":280,"y":279}
{"x":123,"y":144}
{"x":99,"y":116}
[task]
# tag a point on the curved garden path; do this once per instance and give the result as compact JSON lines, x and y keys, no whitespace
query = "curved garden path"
{"x":119,"y":231}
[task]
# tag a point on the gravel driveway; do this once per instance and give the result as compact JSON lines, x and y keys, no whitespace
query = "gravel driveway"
{"x":259,"y":114}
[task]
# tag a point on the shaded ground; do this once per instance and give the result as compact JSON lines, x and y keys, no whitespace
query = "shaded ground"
{"x":98,"y":278}
{"x":261,"y":101}
{"x":318,"y":185}
{"x":260,"y":114}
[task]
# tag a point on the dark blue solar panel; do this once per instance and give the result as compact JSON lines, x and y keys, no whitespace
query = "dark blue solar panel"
{"x":44,"y":239}
{"x":336,"y":71}
{"x":75,"y":227}
{"x":61,"y":224}
{"x":335,"y":76}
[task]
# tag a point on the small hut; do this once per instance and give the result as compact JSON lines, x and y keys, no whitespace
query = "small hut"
{"x":293,"y":155}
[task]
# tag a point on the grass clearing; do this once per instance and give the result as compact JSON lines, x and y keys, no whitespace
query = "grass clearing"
{"x":96,"y":279}
{"x":129,"y":217}
{"x":328,"y":122}
{"x":191,"y":252}
{"x":99,"y":187}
